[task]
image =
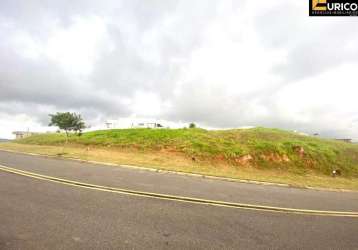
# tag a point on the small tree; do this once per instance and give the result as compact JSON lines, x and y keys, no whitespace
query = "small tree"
{"x":192,"y":125}
{"x":68,"y":122}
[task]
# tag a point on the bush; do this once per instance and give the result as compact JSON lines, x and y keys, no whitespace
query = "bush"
{"x":192,"y":125}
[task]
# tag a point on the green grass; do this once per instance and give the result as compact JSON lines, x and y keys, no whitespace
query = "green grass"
{"x":270,"y":149}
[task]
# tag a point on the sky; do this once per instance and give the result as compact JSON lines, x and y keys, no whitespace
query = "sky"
{"x":218,"y":63}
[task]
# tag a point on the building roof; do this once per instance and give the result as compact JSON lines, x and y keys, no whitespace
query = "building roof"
{"x":22,"y":132}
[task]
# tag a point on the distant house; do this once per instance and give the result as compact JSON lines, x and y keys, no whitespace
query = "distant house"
{"x":345,"y":140}
{"x":147,"y":125}
{"x":23,"y":134}
{"x":300,"y":133}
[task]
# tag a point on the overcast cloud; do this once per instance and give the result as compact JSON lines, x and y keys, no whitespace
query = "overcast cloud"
{"x":219,"y":63}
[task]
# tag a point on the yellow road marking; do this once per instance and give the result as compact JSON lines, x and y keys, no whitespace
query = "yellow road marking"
{"x":178,"y":198}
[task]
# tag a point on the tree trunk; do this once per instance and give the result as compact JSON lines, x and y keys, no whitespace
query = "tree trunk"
{"x":66,"y":136}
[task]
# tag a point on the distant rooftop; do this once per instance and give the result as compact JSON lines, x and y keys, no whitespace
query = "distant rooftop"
{"x":345,"y":140}
{"x":23,"y":134}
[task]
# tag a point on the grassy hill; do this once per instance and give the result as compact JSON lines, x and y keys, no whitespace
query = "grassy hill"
{"x":257,"y":148}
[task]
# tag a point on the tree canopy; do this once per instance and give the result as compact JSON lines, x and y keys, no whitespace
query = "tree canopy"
{"x":192,"y":125}
{"x":68,"y":122}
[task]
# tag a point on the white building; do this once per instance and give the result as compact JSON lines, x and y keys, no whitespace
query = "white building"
{"x":147,"y":125}
{"x":133,"y":123}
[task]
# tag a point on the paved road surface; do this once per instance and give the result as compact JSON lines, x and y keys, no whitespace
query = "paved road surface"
{"x":36,"y":214}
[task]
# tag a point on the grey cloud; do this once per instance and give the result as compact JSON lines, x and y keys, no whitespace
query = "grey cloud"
{"x":41,"y":82}
{"x":173,"y":35}
{"x":313,"y":45}
{"x":122,"y":71}
{"x":149,"y":47}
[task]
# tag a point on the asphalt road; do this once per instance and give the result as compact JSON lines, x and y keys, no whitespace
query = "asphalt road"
{"x":37,"y":214}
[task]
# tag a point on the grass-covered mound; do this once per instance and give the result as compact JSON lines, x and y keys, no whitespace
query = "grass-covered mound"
{"x":259,"y":148}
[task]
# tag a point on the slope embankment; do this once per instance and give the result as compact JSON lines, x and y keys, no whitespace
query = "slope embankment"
{"x":256,"y":154}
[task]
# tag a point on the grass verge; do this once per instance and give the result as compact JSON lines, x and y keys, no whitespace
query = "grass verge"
{"x":179,"y":161}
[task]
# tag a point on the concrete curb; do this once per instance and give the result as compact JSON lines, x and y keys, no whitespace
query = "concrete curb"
{"x":157,"y":170}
